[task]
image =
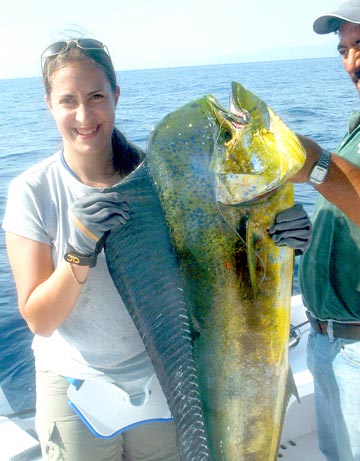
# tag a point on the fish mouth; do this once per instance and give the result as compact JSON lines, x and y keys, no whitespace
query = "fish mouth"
{"x":235,"y":109}
{"x":237,"y":117}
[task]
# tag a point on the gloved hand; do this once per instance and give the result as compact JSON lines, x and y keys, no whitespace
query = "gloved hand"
{"x":292,"y":228}
{"x":91,"y":218}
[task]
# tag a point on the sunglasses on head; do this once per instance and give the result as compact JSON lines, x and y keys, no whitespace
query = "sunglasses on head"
{"x":61,"y":47}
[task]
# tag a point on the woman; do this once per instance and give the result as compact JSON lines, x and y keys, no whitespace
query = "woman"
{"x":73,"y":311}
{"x":59,"y":207}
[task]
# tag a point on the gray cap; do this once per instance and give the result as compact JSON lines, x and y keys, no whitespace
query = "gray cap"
{"x":348,"y":10}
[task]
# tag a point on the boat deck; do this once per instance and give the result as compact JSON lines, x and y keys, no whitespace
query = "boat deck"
{"x":18,"y":440}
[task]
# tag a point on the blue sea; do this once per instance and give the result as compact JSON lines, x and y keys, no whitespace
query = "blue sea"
{"x":314,"y":97}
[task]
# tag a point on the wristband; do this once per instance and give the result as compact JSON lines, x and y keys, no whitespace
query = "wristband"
{"x":73,"y":257}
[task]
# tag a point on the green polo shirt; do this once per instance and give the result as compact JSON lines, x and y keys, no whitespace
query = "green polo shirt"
{"x":330,"y":270}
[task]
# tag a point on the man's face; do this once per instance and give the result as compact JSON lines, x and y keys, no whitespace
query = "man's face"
{"x":349,"y":49}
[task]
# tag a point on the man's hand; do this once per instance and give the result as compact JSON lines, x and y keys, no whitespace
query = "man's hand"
{"x":293,"y":228}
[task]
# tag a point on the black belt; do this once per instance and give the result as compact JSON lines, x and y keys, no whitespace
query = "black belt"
{"x":339,"y":330}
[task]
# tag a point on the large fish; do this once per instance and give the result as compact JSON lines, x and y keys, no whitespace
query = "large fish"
{"x":221,"y":178}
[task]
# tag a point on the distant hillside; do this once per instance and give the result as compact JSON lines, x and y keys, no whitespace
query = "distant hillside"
{"x":280,"y":54}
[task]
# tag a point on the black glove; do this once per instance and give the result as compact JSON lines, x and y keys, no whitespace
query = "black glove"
{"x":91,"y":217}
{"x":292,"y":228}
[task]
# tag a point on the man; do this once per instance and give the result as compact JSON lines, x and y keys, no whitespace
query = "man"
{"x":329,"y":272}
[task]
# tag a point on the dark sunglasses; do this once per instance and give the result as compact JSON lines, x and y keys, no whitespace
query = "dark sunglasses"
{"x":61,"y":47}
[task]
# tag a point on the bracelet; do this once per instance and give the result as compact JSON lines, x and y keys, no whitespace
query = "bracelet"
{"x":80,"y":282}
{"x":72,"y":257}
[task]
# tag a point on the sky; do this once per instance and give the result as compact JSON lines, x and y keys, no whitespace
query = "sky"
{"x":144,"y":34}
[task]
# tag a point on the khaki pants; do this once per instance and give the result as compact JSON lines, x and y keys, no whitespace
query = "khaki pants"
{"x":64,"y":437}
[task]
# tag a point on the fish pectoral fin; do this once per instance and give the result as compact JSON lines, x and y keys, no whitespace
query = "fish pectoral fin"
{"x":252,"y":257}
{"x":245,"y":257}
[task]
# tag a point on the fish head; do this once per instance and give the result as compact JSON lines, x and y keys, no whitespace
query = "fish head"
{"x":255,"y":152}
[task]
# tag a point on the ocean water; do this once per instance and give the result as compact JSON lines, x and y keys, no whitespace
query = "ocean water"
{"x":314,"y":97}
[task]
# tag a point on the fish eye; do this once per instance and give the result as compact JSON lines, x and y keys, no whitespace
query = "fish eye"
{"x":226,"y":135}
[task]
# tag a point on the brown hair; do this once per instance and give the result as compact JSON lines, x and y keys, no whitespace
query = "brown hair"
{"x":74,"y":53}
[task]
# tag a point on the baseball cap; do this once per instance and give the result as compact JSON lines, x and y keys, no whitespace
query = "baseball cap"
{"x":349,"y":10}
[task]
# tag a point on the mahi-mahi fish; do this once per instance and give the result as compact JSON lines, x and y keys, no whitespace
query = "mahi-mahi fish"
{"x":207,"y":288}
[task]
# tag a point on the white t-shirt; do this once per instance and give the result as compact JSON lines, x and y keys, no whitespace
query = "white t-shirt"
{"x":98,"y":337}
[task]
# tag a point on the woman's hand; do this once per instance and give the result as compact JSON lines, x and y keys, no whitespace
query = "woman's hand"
{"x":91,"y":217}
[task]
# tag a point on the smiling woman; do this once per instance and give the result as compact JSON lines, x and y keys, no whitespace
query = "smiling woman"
{"x":83,"y":105}
{"x":57,"y":215}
